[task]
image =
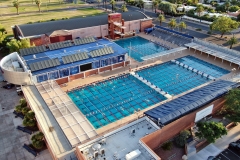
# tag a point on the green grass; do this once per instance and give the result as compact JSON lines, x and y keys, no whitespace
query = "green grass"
{"x":30,"y":8}
{"x":27,"y":2}
{"x":9,"y":21}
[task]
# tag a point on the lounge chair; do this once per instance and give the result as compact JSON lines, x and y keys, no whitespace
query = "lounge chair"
{"x":29,"y":149}
{"x":24,"y":129}
{"x":18,"y":114}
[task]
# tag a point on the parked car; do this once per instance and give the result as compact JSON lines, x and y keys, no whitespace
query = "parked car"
{"x":8,"y":86}
{"x":235,"y":147}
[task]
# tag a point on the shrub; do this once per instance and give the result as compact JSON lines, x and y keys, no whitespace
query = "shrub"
{"x":198,"y":29}
{"x":167,"y":146}
{"x":30,"y":23}
{"x":209,"y":32}
{"x":54,"y":19}
{"x":181,"y":139}
{"x":233,"y":8}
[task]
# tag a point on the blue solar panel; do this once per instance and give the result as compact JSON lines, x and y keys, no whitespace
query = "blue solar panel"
{"x":181,"y":106}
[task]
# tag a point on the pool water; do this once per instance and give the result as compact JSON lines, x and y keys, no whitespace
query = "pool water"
{"x":140,"y":47}
{"x":114,"y":99}
{"x":203,"y":66}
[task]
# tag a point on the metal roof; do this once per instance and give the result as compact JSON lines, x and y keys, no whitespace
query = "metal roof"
{"x":74,"y":23}
{"x":189,"y":102}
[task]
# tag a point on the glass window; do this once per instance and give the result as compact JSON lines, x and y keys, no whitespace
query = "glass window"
{"x":74,"y":70}
{"x":42,"y":78}
{"x":121,"y":58}
{"x":96,"y":64}
{"x":64,"y":72}
{"x":53,"y":75}
{"x":114,"y":60}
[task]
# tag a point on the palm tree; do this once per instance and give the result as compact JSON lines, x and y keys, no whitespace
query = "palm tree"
{"x":25,"y":110}
{"x":182,"y":25}
{"x":155,"y":4}
{"x":18,"y":108}
{"x":29,"y":122}
{"x":98,"y":2}
{"x":199,"y":10}
{"x":232,"y":41}
{"x":16,"y":5}
{"x":38,"y":144}
{"x":161,"y":18}
{"x":38,"y":137}
{"x":124,"y":8}
{"x":113,"y":2}
{"x":38,"y":3}
{"x":3,"y":30}
{"x":30,"y":115}
{"x":23,"y":102}
{"x":141,"y":4}
{"x":172,"y":24}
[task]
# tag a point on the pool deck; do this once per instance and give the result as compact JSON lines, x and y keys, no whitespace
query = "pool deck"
{"x":137,"y":65}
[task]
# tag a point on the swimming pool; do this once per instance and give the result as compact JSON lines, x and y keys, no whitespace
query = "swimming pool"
{"x":140,"y":47}
{"x":108,"y":101}
{"x":175,"y":79}
{"x":203,"y":66}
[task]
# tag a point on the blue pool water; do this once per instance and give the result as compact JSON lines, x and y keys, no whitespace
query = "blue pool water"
{"x":175,"y":79}
{"x":203,"y":66}
{"x":140,"y":47}
{"x":114,"y":99}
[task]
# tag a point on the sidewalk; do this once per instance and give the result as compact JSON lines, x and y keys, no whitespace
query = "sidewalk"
{"x":214,"y":149}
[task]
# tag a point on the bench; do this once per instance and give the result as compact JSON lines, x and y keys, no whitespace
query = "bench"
{"x":30,"y":150}
{"x":24,"y":129}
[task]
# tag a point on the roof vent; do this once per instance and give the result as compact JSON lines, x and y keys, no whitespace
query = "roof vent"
{"x":34,"y":56}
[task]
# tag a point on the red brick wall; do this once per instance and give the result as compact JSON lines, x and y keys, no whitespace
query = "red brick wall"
{"x":118,"y":65}
{"x":155,"y":139}
{"x":76,"y":76}
{"x":108,"y":68}
{"x":62,"y":80}
{"x":92,"y":72}
{"x":38,"y":41}
{"x":146,"y":24}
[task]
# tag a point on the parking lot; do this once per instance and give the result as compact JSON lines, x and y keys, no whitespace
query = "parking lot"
{"x":228,"y":155}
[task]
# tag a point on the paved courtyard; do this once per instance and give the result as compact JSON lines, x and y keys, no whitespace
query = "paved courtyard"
{"x":11,"y":139}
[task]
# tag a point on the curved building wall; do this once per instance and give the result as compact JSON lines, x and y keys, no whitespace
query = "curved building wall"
{"x":10,"y":74}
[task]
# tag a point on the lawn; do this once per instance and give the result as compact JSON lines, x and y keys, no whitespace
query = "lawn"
{"x":33,"y":7}
{"x":28,"y":2}
{"x":9,"y":21}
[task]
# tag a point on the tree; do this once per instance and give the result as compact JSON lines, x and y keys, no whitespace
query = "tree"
{"x":29,"y":122}
{"x":167,"y":8}
{"x":182,"y":25}
{"x":30,"y":115}
{"x":233,"y":40}
{"x":38,"y":144}
{"x":155,"y":4}
{"x":124,"y":8}
{"x":38,"y":3}
{"x":224,"y":25}
{"x":23,"y":102}
{"x":199,"y":10}
{"x":141,"y":4}
{"x":231,"y":108}
{"x":112,"y":2}
{"x":98,"y":2}
{"x":37,"y":140}
{"x":18,"y":108}
{"x":16,"y":5}
{"x":172,"y":24}
{"x":161,"y":18}
{"x":181,"y":140}
{"x":14,"y":45}
{"x":25,"y":110}
{"x":227,"y":5}
{"x":234,"y":8}
{"x":211,"y":131}
{"x":2,"y":29}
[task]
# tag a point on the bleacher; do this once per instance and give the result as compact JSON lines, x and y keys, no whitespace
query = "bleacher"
{"x":171,"y":36}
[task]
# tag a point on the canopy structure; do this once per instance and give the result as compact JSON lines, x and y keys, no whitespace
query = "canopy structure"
{"x":189,"y":102}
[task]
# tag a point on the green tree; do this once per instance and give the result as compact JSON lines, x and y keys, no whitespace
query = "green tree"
{"x":141,"y":4}
{"x":23,"y":102}
{"x":155,"y":4}
{"x":30,"y":115}
{"x":167,"y":146}
{"x":172,"y":23}
{"x":38,"y":144}
{"x":231,"y":108}
{"x":29,"y":122}
{"x":14,"y":45}
{"x":18,"y":108}
{"x":98,"y":1}
{"x":223,"y":25}
{"x":234,"y":8}
{"x":25,"y":110}
{"x":161,"y":18}
{"x":16,"y":4}
{"x":124,"y":8}
{"x":38,"y":3}
{"x":181,"y":139}
{"x":37,"y":140}
{"x":211,"y":131}
{"x":227,"y":5}
{"x":182,"y":25}
{"x":167,"y":8}
{"x":233,"y":40}
{"x":2,"y":29}
{"x":199,"y":10}
{"x":113,"y":2}
{"x":2,"y":38}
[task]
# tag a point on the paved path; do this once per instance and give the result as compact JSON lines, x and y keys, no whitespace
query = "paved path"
{"x":217,"y":147}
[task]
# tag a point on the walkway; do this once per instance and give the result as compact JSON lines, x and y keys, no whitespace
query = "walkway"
{"x":214,"y":149}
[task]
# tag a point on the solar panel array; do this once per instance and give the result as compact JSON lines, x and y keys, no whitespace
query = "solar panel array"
{"x":44,"y":64}
{"x":102,"y":51}
{"x":84,"y":40}
{"x":32,"y":50}
{"x":58,"y":45}
{"x":75,"y":57}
